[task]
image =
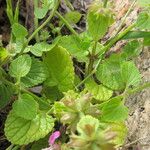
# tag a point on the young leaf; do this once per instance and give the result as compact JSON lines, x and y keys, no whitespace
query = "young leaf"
{"x":60,"y":68}
{"x":40,"y":13}
{"x":20,"y":66}
{"x":20,"y":131}
{"x":98,"y":21}
{"x":99,"y":92}
{"x":37,"y":74}
{"x":121,"y":130}
{"x":25,"y":107}
{"x":114,"y":111}
{"x":73,"y":17}
{"x":39,"y":48}
{"x":87,"y":126}
{"x":77,"y":47}
{"x":19,"y":31}
{"x":3,"y":54}
{"x":143,"y":21}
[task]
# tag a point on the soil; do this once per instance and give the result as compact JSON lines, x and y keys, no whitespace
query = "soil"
{"x":139,"y":104}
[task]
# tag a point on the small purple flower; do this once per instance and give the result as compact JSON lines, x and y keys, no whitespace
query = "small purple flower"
{"x":53,"y":137}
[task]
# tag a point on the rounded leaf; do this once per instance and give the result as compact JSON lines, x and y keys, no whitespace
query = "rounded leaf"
{"x":20,"y":131}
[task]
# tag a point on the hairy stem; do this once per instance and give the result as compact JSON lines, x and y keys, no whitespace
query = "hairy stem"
{"x":41,"y":26}
{"x":36,"y":21}
{"x":66,"y":23}
{"x":116,"y":39}
{"x":92,"y":58}
{"x":138,"y":89}
{"x":125,"y":17}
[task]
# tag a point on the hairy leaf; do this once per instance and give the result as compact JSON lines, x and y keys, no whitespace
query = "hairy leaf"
{"x":132,"y":49}
{"x":117,"y":74}
{"x":37,"y":74}
{"x":99,"y":92}
{"x":73,"y":17}
{"x":60,"y":67}
{"x":20,"y":131}
{"x":77,"y":47}
{"x":98,"y":21}
{"x":20,"y":66}
{"x":19,"y":31}
{"x":25,"y":107}
{"x":114,"y":111}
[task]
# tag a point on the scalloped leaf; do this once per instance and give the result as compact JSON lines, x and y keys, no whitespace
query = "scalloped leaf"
{"x":25,"y":107}
{"x":117,"y":74}
{"x":20,"y":66}
{"x":60,"y":68}
{"x":99,"y":92}
{"x":114,"y":111}
{"x":20,"y":131}
{"x":37,"y":74}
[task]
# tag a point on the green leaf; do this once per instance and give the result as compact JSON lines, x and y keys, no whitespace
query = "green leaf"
{"x":25,"y":107}
{"x":146,"y":42}
{"x":73,"y":17}
{"x":40,"y":13}
{"x":98,"y":21}
{"x":20,"y":66}
{"x":5,"y":94}
{"x":114,"y":111}
{"x":19,"y":31}
{"x":121,"y":130}
{"x":37,"y":74}
{"x":76,"y":46}
{"x":132,"y":49}
{"x":99,"y":92}
{"x":52,"y":93}
{"x":118,"y":74}
{"x":3,"y":54}
{"x":109,"y":73}
{"x":87,"y":126}
{"x":136,"y":35}
{"x":130,"y":74}
{"x":20,"y":131}
{"x":39,"y":48}
{"x":60,"y":68}
{"x":143,"y":21}
{"x":40,"y":144}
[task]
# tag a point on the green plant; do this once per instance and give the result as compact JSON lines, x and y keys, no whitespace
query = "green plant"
{"x":92,"y":111}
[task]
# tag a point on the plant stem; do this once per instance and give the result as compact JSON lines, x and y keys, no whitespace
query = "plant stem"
{"x":36,"y":21}
{"x":66,"y":23}
{"x":105,"y":3}
{"x":92,"y":58}
{"x":126,"y":15}
{"x":69,"y":4}
{"x":116,"y":39}
{"x":138,"y":89}
{"x":41,"y":26}
{"x":89,"y":75}
{"x":35,"y":97}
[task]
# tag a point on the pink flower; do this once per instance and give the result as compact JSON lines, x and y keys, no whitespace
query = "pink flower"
{"x":53,"y":137}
